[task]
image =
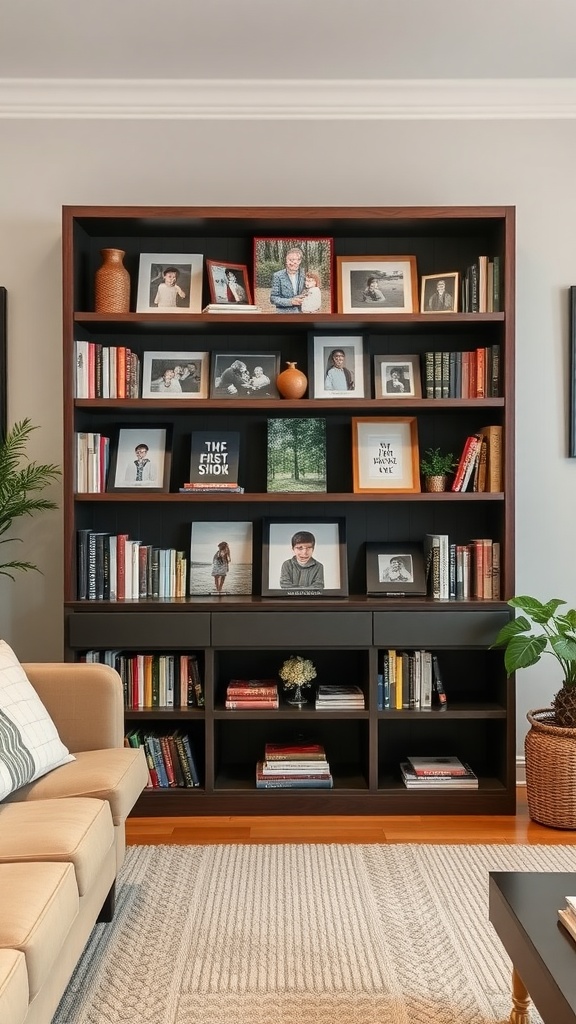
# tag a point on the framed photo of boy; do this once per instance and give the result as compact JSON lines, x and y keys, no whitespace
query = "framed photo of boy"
{"x":169,"y":283}
{"x":141,"y":460}
{"x":228,"y":282}
{"x":242,"y":375}
{"x":377,"y":284}
{"x":337,"y":366}
{"x":304,"y":558}
{"x":397,"y":377}
{"x":395,"y":569}
{"x":439,"y":293}
{"x":293,"y":275}
{"x":220,"y":558}
{"x":385,"y":455}
{"x":175,"y":375}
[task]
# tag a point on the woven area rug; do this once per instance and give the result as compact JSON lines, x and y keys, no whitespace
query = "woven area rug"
{"x":303,"y":934}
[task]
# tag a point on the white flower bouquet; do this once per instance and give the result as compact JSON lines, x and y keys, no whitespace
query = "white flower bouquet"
{"x":297,"y":671}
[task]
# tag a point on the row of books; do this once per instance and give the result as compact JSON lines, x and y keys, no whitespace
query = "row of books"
{"x":169,"y":756}
{"x":480,"y":465}
{"x":104,"y":371}
{"x":466,"y":374}
{"x":294,"y":766}
{"x":92,"y":462}
{"x":409,"y":680}
{"x":115,"y":568}
{"x":439,"y":773}
{"x":251,"y":695}
{"x":338,"y":698}
{"x":462,"y":572}
{"x":482,"y":286}
{"x":155,"y":680}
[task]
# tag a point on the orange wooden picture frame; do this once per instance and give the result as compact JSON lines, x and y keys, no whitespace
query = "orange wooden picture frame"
{"x":385,"y":455}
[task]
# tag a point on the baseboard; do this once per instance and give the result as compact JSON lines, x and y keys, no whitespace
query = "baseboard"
{"x":520,"y":771}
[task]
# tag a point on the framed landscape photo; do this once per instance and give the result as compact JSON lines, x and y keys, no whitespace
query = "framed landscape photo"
{"x":220,"y":559}
{"x":242,"y":375}
{"x":293,"y":275}
{"x":296,"y":459}
{"x":395,"y":568}
{"x":439,"y":293}
{"x":140,"y":461}
{"x":169,"y":283}
{"x":337,"y":366}
{"x":175,"y":375}
{"x":304,"y":558}
{"x":228,"y":282}
{"x":385,"y":455}
{"x":377,"y":284}
{"x":397,"y":376}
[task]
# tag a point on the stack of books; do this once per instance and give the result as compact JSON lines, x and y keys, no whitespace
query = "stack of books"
{"x":301,"y":766}
{"x":251,"y":695}
{"x":437,"y":773}
{"x":231,"y":307}
{"x":567,"y":915}
{"x":339,"y":698}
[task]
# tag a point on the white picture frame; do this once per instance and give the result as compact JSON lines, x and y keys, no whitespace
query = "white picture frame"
{"x":157,"y":293}
{"x":354,"y":370}
{"x":189,"y":370}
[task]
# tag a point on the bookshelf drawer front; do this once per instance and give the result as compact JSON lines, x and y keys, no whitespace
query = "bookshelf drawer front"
{"x":285,"y":629}
{"x":133,"y":629}
{"x":437,"y":628}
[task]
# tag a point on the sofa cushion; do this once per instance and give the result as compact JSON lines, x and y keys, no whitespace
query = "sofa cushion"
{"x":29,"y":741}
{"x":39,"y":906}
{"x":79,"y":831}
{"x":13,"y":986}
{"x":117,"y":775}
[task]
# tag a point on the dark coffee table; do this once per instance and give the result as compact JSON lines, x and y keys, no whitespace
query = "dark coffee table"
{"x":524,"y":911}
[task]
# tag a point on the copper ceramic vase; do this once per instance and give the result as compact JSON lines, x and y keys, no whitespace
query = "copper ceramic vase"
{"x":112,"y":283}
{"x":291,"y":383}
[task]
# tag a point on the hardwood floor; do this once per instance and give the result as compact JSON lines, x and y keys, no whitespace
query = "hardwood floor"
{"x":335,"y":829}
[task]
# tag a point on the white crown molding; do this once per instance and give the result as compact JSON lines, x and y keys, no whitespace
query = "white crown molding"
{"x":285,"y":100}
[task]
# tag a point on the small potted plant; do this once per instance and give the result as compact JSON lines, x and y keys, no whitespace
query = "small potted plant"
{"x":550,"y":744}
{"x":435,"y":467}
{"x":295,"y":673}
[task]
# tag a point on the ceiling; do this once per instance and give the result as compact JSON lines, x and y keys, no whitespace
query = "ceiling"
{"x":295,"y":39}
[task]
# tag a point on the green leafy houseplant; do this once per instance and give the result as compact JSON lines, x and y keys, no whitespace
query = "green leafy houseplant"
{"x":436,"y":463}
{"x":20,"y":481}
{"x":556,"y":636}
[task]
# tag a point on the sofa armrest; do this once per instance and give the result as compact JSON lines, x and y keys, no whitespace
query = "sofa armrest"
{"x":85,"y":701}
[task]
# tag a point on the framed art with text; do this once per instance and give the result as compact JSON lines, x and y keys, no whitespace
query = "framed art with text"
{"x":385,"y":455}
{"x":304,"y":558}
{"x":377,"y":284}
{"x":395,"y":568}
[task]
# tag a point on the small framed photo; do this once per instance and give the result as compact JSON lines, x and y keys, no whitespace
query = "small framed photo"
{"x":397,"y":377}
{"x":175,"y":375}
{"x":439,"y":293}
{"x":293,"y":275}
{"x":169,"y":283}
{"x":377,"y":284}
{"x":304,"y":558}
{"x":221,"y":559}
{"x":228,"y":282}
{"x":241,"y":375}
{"x":385,"y":455}
{"x":141,"y":460}
{"x":395,"y":569}
{"x":337,"y":366}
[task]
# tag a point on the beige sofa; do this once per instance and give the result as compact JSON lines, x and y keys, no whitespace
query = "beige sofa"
{"x":62,"y":840}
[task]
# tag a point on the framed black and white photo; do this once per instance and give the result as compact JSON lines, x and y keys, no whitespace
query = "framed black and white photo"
{"x":337,"y":366}
{"x":439,"y":293}
{"x":220,"y":559}
{"x":397,"y":376}
{"x":242,"y":375}
{"x":169,"y":283}
{"x":293,"y":275}
{"x":385,"y":455}
{"x":304,"y":558}
{"x":140,"y":460}
{"x":395,"y":569}
{"x":377,"y":284}
{"x":228,"y":282}
{"x":175,"y":375}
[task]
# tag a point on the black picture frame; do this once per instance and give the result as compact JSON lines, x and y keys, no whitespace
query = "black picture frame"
{"x":572,"y":423}
{"x":242,"y":381}
{"x":329,"y":552}
{"x":158,"y":440}
{"x":409,"y":573}
{"x":3,"y":373}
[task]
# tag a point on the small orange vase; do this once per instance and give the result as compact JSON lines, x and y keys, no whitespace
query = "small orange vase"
{"x":112,"y":283}
{"x":291,"y":383}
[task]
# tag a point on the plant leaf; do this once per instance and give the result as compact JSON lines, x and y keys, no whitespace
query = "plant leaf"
{"x":523,"y":651}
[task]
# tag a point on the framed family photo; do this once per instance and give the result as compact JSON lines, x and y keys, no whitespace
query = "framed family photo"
{"x":395,"y":568}
{"x":242,"y":375}
{"x":304,"y":558}
{"x":175,"y":375}
{"x":439,"y":293}
{"x":169,"y":283}
{"x":293,"y":275}
{"x":220,"y":558}
{"x":141,"y":460}
{"x":337,"y":366}
{"x":397,"y":376}
{"x":228,"y":282}
{"x":377,"y":284}
{"x":385,"y":455}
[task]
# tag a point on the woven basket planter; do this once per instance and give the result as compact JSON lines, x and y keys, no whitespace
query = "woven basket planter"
{"x":550,"y":770}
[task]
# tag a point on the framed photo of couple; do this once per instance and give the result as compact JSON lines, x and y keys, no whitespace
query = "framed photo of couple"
{"x":293,"y":275}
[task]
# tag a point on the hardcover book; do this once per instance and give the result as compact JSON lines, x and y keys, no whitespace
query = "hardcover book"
{"x":296,"y":455}
{"x":214,"y":458}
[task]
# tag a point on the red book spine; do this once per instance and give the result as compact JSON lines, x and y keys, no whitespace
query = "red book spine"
{"x":121,"y":566}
